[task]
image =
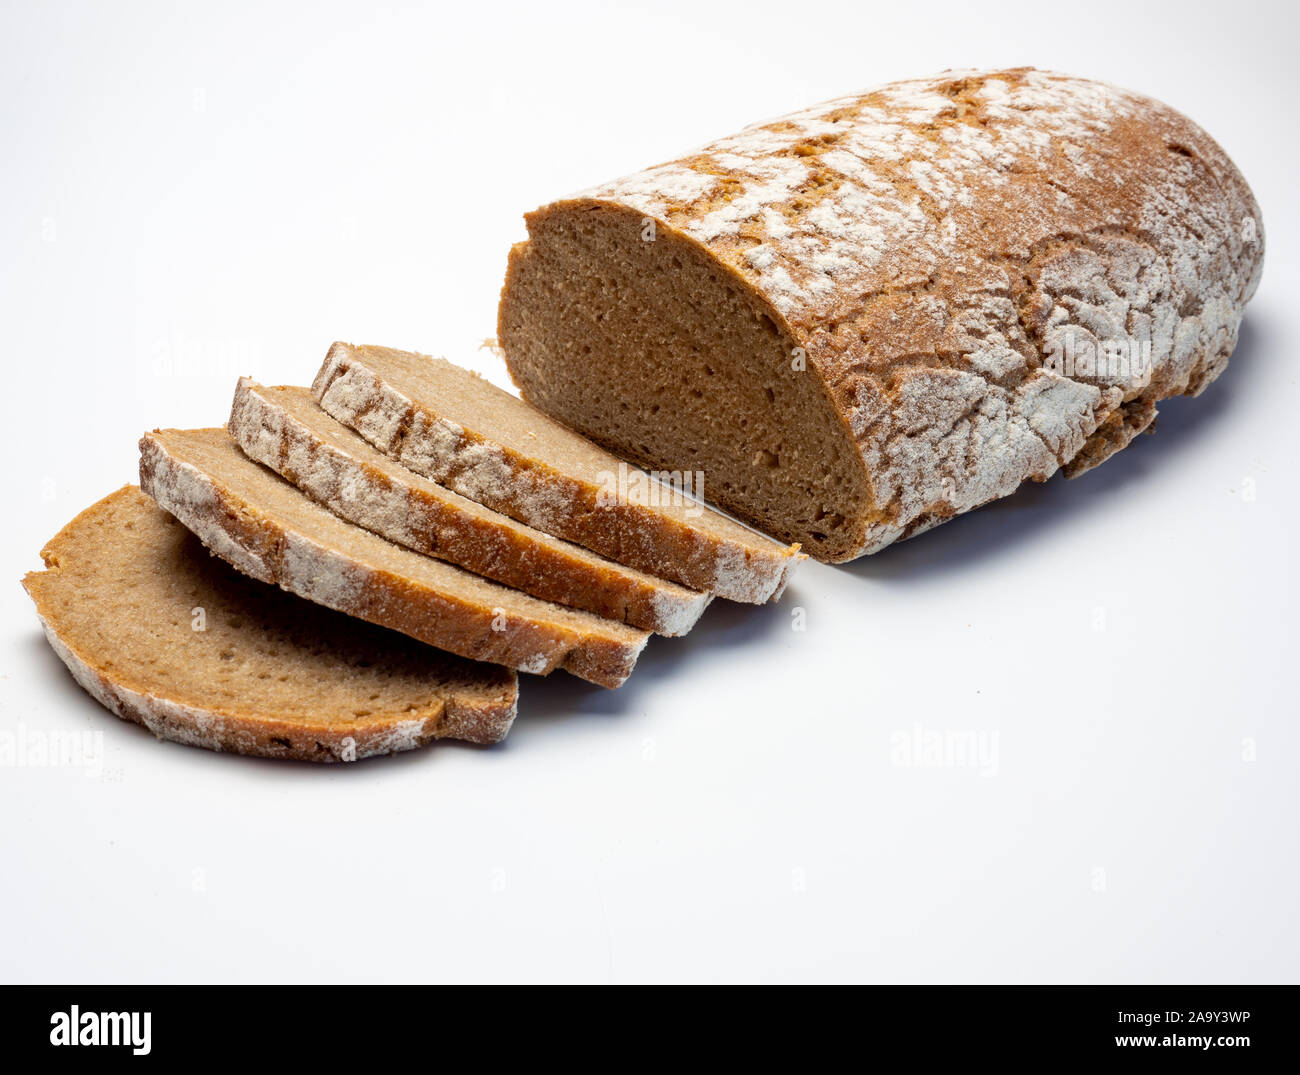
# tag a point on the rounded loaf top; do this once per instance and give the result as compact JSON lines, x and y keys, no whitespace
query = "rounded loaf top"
{"x":993,"y":275}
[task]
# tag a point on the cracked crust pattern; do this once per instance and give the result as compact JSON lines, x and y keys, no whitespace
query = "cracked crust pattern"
{"x":929,"y":244}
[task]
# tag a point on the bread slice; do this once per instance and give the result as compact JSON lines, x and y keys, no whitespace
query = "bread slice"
{"x":268,"y":529}
{"x":167,"y":636}
{"x":463,"y":432}
{"x":285,"y":429}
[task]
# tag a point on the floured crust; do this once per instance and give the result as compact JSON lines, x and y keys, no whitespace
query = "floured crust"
{"x":307,"y":564}
{"x":338,"y":469}
{"x":747,"y":566}
{"x":929,"y":244}
{"x":480,"y":713}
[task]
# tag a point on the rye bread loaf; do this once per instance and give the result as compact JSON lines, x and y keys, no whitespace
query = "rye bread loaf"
{"x":461,"y":431}
{"x":165,"y":635}
{"x":264,"y":526}
{"x":866,"y":317}
{"x":286,"y":430}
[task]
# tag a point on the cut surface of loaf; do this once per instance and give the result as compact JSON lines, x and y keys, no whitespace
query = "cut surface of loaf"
{"x":867,"y":317}
{"x":165,"y":635}
{"x":268,"y":529}
{"x":461,"y":431}
{"x":284,"y":428}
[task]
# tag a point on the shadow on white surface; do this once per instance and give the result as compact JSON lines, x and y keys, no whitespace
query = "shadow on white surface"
{"x":542,"y":699}
{"x":562,"y":697}
{"x":1032,"y":514}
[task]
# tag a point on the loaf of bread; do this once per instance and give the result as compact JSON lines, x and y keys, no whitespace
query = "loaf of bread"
{"x":867,"y":317}
{"x":167,"y":636}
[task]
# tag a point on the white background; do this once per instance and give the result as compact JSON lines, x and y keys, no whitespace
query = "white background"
{"x":191,"y":192}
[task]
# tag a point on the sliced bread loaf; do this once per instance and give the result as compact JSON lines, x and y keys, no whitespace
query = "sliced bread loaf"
{"x":285,"y":429}
{"x":268,"y":529}
{"x":461,"y":431}
{"x":882,"y":311}
{"x":167,"y":636}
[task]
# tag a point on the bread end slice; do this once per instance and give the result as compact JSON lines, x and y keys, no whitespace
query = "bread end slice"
{"x":166,"y":636}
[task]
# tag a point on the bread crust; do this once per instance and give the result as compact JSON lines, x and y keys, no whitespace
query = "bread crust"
{"x":481,"y":719}
{"x":257,"y":543}
{"x":934,"y":245}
